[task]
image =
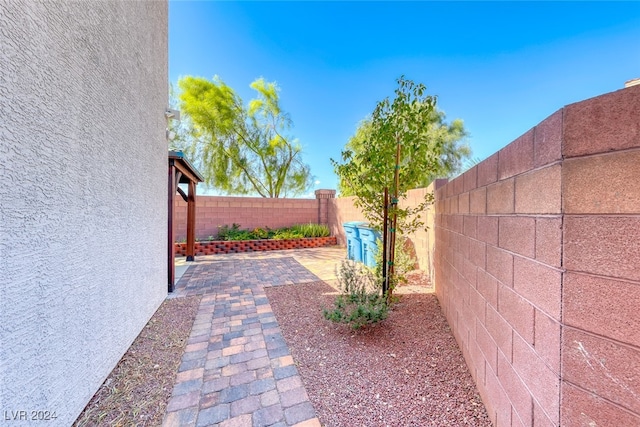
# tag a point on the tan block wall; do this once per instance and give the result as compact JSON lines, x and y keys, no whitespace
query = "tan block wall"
{"x":250,"y":212}
{"x":601,"y":257}
{"x":495,"y":287}
{"x":423,"y":239}
{"x":342,"y":210}
{"x":536,"y":268}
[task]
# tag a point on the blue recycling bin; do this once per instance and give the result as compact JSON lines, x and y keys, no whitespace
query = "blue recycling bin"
{"x":354,"y":244}
{"x":369,"y":240}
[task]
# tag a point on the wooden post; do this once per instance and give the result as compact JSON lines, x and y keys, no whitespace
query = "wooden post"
{"x":385,"y":238}
{"x":394,"y":219}
{"x":171,"y":239}
{"x":191,"y":221}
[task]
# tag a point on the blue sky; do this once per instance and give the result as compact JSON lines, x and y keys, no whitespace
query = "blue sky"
{"x":501,"y":67}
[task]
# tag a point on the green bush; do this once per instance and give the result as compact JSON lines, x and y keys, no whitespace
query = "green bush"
{"x":286,"y":233}
{"x":234,"y":232}
{"x":312,"y":230}
{"x":360,"y":301}
{"x":262,"y":233}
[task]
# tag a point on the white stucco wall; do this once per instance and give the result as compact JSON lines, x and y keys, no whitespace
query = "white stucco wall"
{"x":83,"y":211}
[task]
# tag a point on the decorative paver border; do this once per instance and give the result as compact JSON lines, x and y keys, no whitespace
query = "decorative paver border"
{"x":237,"y":246}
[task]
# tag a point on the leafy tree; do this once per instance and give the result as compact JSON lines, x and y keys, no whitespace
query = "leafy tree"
{"x":455,"y":152}
{"x":242,"y":149}
{"x":395,"y":150}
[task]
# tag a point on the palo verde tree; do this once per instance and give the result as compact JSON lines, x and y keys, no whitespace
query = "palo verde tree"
{"x":242,"y":149}
{"x":396,"y":149}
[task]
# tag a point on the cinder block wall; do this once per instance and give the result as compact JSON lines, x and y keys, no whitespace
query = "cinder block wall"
{"x":423,"y":239}
{"x":250,"y":212}
{"x":498,"y":277}
{"x":536,"y":264}
{"x":342,"y":210}
{"x":83,"y":254}
{"x":601,"y":258}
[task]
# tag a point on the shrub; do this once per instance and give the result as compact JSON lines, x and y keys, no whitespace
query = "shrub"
{"x":234,"y":232}
{"x":262,"y":233}
{"x":312,"y":230}
{"x":287,"y":233}
{"x":360,"y":301}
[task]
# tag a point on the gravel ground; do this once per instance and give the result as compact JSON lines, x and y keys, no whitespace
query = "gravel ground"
{"x":405,"y":371}
{"x":138,"y":389}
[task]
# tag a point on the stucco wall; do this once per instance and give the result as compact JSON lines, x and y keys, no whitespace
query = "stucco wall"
{"x":83,"y":238}
{"x":537,"y":252}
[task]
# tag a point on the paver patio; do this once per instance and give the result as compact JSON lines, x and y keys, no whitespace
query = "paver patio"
{"x":237,"y":369}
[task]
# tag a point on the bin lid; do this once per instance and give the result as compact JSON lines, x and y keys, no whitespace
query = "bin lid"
{"x":367,"y":226}
{"x":353,"y":223}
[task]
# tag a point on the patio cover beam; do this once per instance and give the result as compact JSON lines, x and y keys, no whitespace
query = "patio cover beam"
{"x":181,"y":172}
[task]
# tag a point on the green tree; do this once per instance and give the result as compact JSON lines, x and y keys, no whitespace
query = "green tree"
{"x":450,"y":137}
{"x":242,"y":149}
{"x":395,"y":150}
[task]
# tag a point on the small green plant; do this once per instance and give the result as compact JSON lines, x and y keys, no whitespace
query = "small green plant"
{"x":360,"y":301}
{"x":234,"y":232}
{"x":225,"y":232}
{"x":287,"y":233}
{"x":312,"y":230}
{"x":244,"y":235}
{"x":262,"y":233}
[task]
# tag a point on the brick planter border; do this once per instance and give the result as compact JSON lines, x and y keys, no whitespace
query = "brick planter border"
{"x":237,"y":246}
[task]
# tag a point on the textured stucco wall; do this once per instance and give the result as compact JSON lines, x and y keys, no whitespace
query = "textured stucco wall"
{"x":83,"y":196}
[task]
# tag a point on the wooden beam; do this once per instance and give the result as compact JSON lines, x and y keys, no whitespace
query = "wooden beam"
{"x":170,"y":237}
{"x":182,"y":194}
{"x":186,"y":172}
{"x":191,"y":221}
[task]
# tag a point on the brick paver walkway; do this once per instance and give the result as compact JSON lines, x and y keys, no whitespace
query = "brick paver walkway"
{"x":237,"y":369}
